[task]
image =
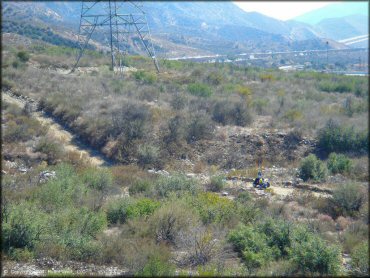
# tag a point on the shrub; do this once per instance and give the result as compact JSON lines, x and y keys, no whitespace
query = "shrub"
{"x":53,"y":150}
{"x":99,"y":179}
{"x":312,"y":168}
{"x":339,"y":163}
{"x":217,"y":183}
{"x":215,"y":78}
{"x":148,"y":155}
{"x":121,"y":210}
{"x":140,"y":186}
{"x":201,"y":127}
{"x":312,"y":255}
{"x":176,"y":129}
{"x":131,"y":121}
{"x":21,"y":228}
{"x":177,"y":183}
{"x":156,"y":266}
{"x":145,"y":77}
{"x":178,"y":101}
{"x":199,"y":89}
{"x":117,"y":210}
{"x":336,"y":138}
{"x":252,"y":246}
{"x":214,"y":209}
{"x":231,"y":113}
{"x":170,"y":220}
{"x":360,"y":259}
{"x":349,"y":198}
{"x":142,"y":207}
{"x":23,"y":56}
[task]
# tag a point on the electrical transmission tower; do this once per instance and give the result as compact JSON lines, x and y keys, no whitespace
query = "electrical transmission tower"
{"x":119,"y":20}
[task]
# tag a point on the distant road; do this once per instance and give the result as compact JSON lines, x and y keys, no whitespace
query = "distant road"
{"x":268,"y":53}
{"x":356,"y":39}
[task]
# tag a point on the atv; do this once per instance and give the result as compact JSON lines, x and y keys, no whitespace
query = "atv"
{"x":265,"y":184}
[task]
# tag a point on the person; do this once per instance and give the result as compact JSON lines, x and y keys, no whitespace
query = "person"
{"x":258,"y":181}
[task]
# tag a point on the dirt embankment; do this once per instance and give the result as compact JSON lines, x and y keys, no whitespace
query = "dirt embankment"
{"x":238,"y":147}
{"x":57,"y":131}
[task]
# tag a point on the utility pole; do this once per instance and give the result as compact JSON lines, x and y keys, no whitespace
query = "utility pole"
{"x":122,"y":19}
{"x":327,"y":53}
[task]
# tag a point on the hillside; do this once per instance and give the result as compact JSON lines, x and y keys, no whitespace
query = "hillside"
{"x":221,"y":169}
{"x":188,"y":27}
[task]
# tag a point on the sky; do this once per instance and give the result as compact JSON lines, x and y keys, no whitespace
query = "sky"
{"x":281,"y":10}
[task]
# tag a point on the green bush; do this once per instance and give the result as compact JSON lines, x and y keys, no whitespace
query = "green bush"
{"x":98,"y":179}
{"x":177,"y":183}
{"x":156,"y":266}
{"x":199,"y":89}
{"x":360,"y":259}
{"x":339,"y":163}
{"x":22,"y":227}
{"x":252,"y":246}
{"x":120,"y":211}
{"x":117,"y":210}
{"x":312,"y":168}
{"x":217,"y":183}
{"x":140,"y":186}
{"x":23,"y":56}
{"x":349,"y":198}
{"x":213,"y":208}
{"x":336,"y":138}
{"x":142,"y":207}
{"x":145,"y":77}
{"x":312,"y":255}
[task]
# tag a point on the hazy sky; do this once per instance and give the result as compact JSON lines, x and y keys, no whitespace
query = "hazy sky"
{"x":281,"y":10}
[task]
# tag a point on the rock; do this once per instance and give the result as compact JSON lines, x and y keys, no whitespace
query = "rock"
{"x":46,"y":175}
{"x":23,"y":169}
{"x":287,"y":183}
{"x":163,"y":173}
{"x":190,"y":175}
{"x":10,"y":164}
{"x":152,"y":171}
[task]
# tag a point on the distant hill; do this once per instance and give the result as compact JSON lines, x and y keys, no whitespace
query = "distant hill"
{"x":203,"y":27}
{"x":336,"y":10}
{"x":344,"y":27}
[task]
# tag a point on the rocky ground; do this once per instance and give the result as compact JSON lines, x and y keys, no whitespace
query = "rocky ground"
{"x":47,"y":266}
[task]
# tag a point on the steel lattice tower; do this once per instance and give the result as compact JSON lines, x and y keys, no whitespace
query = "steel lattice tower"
{"x":119,"y":19}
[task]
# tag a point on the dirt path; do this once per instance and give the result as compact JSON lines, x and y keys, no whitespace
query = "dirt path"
{"x":70,"y":143}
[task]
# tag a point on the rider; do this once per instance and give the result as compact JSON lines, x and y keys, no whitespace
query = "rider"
{"x":259,"y":180}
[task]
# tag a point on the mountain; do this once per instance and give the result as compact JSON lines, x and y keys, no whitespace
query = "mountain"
{"x":336,"y":10}
{"x":343,"y":27}
{"x":203,"y":27}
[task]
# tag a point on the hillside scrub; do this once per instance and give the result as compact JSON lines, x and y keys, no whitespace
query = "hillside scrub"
{"x":312,"y":168}
{"x":171,"y":223}
{"x":187,"y":89}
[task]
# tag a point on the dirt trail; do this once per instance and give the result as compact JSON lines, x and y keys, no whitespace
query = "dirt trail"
{"x":56,"y":130}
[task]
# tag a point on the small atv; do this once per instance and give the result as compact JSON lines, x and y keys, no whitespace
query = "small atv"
{"x":265,"y":184}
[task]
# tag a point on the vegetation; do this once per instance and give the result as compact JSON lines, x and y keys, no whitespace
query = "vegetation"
{"x":175,"y":136}
{"x":312,"y":168}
